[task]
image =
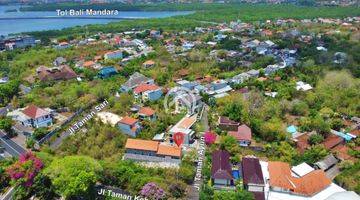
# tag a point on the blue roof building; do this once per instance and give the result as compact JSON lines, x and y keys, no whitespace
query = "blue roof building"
{"x":106,"y":72}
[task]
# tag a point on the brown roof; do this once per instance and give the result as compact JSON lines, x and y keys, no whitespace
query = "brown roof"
{"x":227,"y":121}
{"x":259,"y":195}
{"x":221,"y":168}
{"x":307,"y":185}
{"x":146,"y":111}
{"x":302,"y":143}
{"x":64,"y":72}
{"x":34,"y":112}
{"x":128,"y":120}
{"x":251,"y":169}
{"x":341,"y":152}
{"x":332,"y":141}
{"x":146,"y":145}
{"x":169,"y":150}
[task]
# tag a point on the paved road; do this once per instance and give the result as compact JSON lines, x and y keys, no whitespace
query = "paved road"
{"x":54,"y":145}
{"x":193,"y":193}
{"x":8,"y":194}
{"x":10,"y":146}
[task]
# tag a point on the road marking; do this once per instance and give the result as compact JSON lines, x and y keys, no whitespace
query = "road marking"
{"x":6,"y":143}
{"x":10,"y":146}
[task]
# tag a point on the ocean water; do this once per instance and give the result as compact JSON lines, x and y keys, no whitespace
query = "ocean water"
{"x":17,"y":22}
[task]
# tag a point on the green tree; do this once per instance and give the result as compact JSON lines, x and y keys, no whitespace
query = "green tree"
{"x":282,"y":151}
{"x":233,"y":195}
{"x":6,"y":124}
{"x":39,"y":133}
{"x":314,"y":154}
{"x":187,"y":172}
{"x":73,"y":176}
{"x":273,"y":130}
{"x":315,"y":139}
{"x":320,"y":125}
{"x":206,"y":192}
{"x":43,"y":188}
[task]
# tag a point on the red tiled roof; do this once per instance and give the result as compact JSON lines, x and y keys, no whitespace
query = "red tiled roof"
{"x":34,"y":112}
{"x":88,"y":63}
{"x":307,"y":185}
{"x":341,"y":152}
{"x":243,"y":133}
{"x":128,"y":120}
{"x":145,"y":87}
{"x":149,"y":145}
{"x":146,"y":111}
{"x":169,"y":150}
{"x":332,"y":141}
{"x":146,"y":145}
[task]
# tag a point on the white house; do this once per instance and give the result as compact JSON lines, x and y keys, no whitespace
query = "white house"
{"x":32,"y":116}
{"x":184,"y":126}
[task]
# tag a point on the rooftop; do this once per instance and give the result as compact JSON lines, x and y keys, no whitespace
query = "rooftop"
{"x":221,"y":168}
{"x":145,"y":87}
{"x":146,"y":145}
{"x":252,"y":171}
{"x":243,"y":133}
{"x":169,"y":150}
{"x":146,"y":111}
{"x":34,"y":112}
{"x":128,"y":120}
{"x":307,"y":185}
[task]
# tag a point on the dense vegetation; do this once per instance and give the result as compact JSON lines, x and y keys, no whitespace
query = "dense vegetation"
{"x":94,"y":154}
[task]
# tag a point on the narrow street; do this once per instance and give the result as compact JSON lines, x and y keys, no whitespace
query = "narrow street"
{"x":194,"y":188}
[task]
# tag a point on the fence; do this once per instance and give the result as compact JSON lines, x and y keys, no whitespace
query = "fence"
{"x":51,"y":133}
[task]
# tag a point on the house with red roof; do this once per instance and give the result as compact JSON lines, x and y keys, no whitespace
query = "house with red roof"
{"x":32,"y":116}
{"x":242,"y":135}
{"x":129,"y":126}
{"x":147,"y":92}
{"x":147,"y":113}
{"x":283,"y":180}
{"x":151,"y":151}
{"x":221,"y":173}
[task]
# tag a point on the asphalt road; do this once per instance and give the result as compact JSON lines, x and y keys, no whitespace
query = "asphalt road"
{"x":10,"y":146}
